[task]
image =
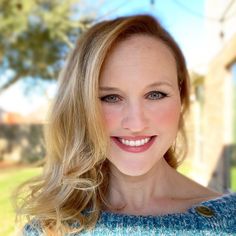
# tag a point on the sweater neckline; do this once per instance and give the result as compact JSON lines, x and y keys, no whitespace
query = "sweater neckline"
{"x":212,"y":203}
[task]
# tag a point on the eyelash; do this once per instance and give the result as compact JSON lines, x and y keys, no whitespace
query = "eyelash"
{"x":161,"y":95}
{"x":104,"y":98}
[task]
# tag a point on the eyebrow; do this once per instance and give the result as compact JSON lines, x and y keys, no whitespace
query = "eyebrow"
{"x":155,"y":84}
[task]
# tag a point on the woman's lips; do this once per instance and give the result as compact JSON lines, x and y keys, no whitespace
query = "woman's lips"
{"x":134,"y":144}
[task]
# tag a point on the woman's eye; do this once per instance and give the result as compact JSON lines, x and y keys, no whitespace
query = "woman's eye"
{"x":110,"y":98}
{"x":156,"y":95}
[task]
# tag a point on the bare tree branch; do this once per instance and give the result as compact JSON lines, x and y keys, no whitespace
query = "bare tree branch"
{"x":9,"y":83}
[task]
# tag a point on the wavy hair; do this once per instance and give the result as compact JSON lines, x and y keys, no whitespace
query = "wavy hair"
{"x":76,"y":173}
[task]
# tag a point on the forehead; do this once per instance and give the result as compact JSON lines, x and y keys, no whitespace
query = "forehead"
{"x":140,"y":50}
{"x":140,"y":46}
{"x":139,"y":56}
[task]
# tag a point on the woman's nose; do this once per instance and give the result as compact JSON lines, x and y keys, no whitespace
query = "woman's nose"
{"x":134,"y":118}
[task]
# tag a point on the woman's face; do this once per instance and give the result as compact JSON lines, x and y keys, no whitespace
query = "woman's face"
{"x":140,"y":103}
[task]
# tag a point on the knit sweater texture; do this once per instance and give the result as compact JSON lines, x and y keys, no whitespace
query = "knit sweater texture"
{"x":213,"y":217}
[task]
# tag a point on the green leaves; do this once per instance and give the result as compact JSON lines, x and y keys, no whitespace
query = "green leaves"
{"x":36,"y":35}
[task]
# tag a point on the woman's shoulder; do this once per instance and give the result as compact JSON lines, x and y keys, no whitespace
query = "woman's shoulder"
{"x":224,"y":205}
{"x":217,"y":212}
{"x":212,"y":217}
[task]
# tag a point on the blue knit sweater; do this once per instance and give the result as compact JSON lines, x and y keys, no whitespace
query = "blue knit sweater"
{"x":214,"y":217}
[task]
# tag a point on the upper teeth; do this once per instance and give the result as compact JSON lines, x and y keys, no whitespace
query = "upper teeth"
{"x":135,"y":142}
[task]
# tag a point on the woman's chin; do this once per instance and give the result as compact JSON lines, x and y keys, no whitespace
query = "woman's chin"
{"x":132,"y":171}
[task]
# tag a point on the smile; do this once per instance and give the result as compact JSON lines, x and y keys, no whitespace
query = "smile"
{"x":134,"y":144}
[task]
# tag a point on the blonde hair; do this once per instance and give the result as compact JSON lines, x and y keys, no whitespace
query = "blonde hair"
{"x":76,"y":175}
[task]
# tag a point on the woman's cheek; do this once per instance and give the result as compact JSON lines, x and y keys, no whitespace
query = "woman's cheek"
{"x":167,"y":115}
{"x":111,"y":115}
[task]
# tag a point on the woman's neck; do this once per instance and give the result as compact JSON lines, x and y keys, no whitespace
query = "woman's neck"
{"x":160,"y":191}
{"x":136,"y":193}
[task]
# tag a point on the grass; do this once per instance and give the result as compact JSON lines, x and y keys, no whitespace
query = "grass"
{"x":9,"y":179}
{"x":233,"y":178}
{"x":234,"y":112}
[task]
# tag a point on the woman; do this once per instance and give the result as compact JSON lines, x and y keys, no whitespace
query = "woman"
{"x":111,"y":142}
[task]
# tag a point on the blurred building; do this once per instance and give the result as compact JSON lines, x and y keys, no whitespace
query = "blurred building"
{"x":1,"y":115}
{"x":11,"y":118}
{"x":38,"y":116}
{"x":21,"y":137}
{"x":215,"y":120}
{"x":220,"y":21}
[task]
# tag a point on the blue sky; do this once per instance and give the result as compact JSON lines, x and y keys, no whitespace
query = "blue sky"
{"x":183,"y":19}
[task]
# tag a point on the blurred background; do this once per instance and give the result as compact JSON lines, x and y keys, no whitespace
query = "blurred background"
{"x":35,"y":38}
